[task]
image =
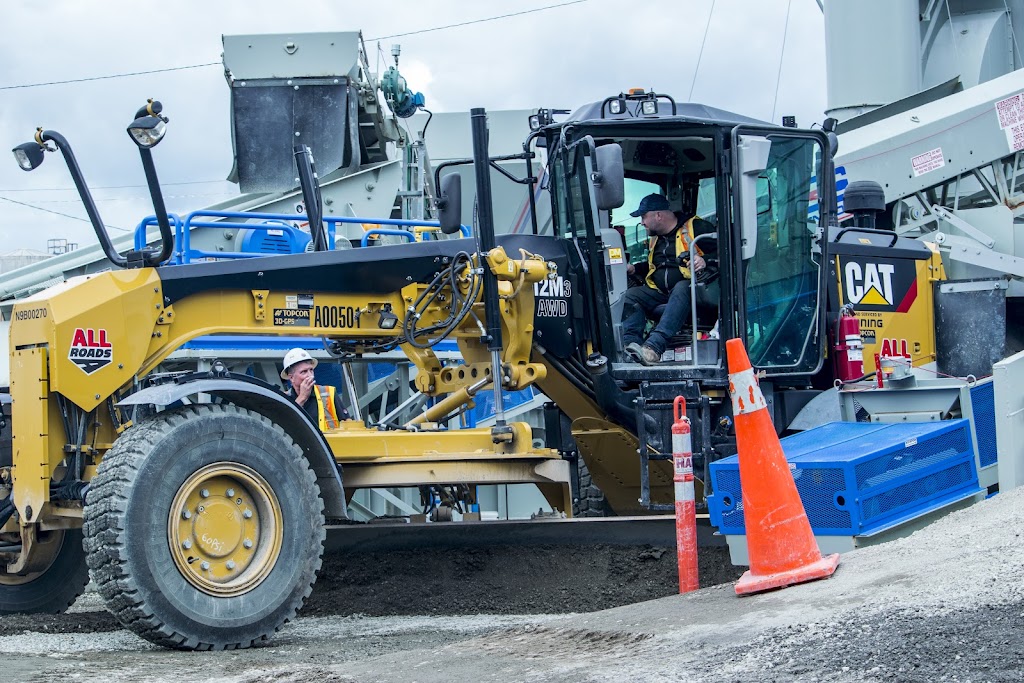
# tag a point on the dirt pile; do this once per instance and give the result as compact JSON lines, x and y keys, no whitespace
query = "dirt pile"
{"x":486,"y":580}
{"x":504,"y":579}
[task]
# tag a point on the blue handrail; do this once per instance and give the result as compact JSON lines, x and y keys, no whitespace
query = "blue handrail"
{"x":182,"y":237}
{"x":410,"y":222}
{"x":365,"y":240}
{"x":140,"y":229}
{"x":184,"y":253}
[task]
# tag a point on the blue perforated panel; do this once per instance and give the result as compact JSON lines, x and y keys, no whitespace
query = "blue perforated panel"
{"x":857,"y":478}
{"x":822,"y":492}
{"x":984,"y":405}
{"x":926,"y":488}
{"x":728,"y":512}
{"x":920,"y":456}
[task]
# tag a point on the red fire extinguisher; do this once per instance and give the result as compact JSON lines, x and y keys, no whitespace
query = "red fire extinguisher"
{"x":849,"y":347}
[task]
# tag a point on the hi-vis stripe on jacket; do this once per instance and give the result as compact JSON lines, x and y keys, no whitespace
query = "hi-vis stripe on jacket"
{"x":683,"y":238}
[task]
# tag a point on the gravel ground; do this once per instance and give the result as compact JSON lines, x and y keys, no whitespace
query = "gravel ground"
{"x":944,"y":604}
{"x":364,"y":605}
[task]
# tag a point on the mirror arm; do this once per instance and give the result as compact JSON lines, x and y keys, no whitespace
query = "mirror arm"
{"x":531,"y":191}
{"x":83,"y":191}
{"x":466,"y":162}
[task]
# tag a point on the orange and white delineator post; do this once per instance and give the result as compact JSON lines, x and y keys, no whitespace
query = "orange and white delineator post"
{"x":780,"y":542}
{"x":686,"y":511}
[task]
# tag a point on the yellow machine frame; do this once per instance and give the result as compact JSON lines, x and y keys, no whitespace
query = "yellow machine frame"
{"x":115,"y":323}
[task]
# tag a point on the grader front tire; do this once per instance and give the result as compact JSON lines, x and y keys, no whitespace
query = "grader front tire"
{"x":205,"y":530}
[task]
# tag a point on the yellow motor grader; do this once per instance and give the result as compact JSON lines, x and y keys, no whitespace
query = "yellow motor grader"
{"x":197,"y":501}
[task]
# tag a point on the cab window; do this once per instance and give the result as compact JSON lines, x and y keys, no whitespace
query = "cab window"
{"x":634,"y":235}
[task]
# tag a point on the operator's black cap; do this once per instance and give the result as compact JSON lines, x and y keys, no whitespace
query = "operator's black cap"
{"x":652,"y":202}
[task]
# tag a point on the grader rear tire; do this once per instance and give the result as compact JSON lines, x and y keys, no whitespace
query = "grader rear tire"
{"x":52,"y":590}
{"x":204,"y":530}
{"x":591,"y":501}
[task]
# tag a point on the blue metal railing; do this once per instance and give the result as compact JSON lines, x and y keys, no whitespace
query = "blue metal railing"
{"x":150,"y":221}
{"x":184,"y":253}
{"x":365,"y":240}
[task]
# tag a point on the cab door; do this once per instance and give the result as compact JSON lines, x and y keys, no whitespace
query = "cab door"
{"x":587,"y":183}
{"x":780,"y":209}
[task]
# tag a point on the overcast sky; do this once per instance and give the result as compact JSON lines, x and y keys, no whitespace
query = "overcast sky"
{"x":559,"y":57}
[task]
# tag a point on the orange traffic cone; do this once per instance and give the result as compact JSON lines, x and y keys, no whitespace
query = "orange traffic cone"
{"x":780,"y":542}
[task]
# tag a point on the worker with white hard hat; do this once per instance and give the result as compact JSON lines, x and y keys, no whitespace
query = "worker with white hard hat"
{"x":326,"y":409}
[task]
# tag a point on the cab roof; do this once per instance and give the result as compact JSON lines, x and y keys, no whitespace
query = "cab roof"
{"x":685,"y":111}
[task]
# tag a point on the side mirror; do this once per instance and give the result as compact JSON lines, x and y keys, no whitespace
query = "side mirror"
{"x":751,"y":159}
{"x":833,"y":144}
{"x":449,"y":204}
{"x":609,"y":177}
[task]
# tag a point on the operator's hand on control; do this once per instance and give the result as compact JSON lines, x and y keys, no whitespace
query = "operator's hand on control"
{"x":630,"y":269}
{"x":699,"y":263}
{"x":304,"y":389}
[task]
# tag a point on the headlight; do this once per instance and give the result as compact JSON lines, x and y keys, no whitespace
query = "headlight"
{"x":147,"y":131}
{"x":28,"y":155}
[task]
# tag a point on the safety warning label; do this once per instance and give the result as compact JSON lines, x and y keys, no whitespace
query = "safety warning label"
{"x":1015,"y":136}
{"x":1011,"y":119}
{"x":929,"y":161}
{"x":1009,"y":110}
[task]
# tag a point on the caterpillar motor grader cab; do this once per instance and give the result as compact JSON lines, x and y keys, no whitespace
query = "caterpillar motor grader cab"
{"x":786,"y":272}
{"x":201,"y":497}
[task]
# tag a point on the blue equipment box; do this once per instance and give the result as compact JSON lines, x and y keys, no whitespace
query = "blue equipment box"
{"x":858,"y":478}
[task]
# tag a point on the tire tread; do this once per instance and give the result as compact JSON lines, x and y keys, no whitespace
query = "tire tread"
{"x":105,"y":526}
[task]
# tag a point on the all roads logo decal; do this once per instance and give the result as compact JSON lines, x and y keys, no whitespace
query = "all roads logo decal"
{"x":90,"y":350}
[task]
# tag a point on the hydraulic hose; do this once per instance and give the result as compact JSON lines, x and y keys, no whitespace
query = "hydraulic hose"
{"x":7,"y":509}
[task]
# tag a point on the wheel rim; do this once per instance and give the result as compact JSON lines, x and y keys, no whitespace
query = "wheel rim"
{"x":225,"y":529}
{"x":50,"y":544}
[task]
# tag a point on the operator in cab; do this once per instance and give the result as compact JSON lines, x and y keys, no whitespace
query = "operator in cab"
{"x":321,"y":402}
{"x":668,"y":279}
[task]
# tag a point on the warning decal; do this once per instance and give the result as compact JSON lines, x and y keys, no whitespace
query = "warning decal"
{"x":929,"y":161}
{"x":1010,"y":112}
{"x":90,"y":350}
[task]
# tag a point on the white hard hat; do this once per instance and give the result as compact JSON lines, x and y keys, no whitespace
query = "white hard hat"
{"x":295,"y":356}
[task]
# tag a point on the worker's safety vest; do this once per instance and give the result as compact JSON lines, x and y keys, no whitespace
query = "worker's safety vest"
{"x":327,"y":416}
{"x":683,"y":238}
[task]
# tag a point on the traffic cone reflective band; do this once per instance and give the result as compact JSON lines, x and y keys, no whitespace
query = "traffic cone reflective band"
{"x":780,"y":543}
